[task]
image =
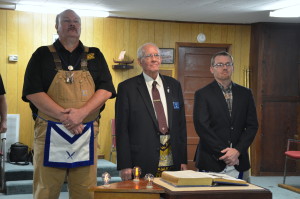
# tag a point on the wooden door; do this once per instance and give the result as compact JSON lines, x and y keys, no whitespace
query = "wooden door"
{"x":275,"y":74}
{"x":193,"y":62}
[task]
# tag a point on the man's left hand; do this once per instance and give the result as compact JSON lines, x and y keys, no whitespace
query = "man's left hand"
{"x":230,"y":157}
{"x":183,"y":167}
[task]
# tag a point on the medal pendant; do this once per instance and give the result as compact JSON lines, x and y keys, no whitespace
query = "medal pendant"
{"x":83,"y":62}
{"x":69,"y":77}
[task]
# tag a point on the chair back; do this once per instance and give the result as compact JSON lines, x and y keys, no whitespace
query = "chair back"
{"x":292,"y":150}
{"x":293,"y":153}
{"x":113,"y":133}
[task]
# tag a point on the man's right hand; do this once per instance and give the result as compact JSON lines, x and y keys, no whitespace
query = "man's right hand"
{"x":65,"y":120}
{"x":231,"y":156}
{"x":126,"y":174}
{"x":3,"y":126}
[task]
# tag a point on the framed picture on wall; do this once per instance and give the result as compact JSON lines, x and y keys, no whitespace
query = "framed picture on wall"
{"x":166,"y":72}
{"x":167,"y":55}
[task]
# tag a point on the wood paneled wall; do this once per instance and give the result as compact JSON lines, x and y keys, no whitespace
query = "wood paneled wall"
{"x":21,"y":33}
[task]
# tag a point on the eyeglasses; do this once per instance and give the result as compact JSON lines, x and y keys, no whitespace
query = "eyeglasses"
{"x":68,"y":21}
{"x":152,"y":55}
{"x":219,"y":65}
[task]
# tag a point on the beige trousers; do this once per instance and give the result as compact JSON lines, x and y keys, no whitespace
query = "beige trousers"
{"x":48,"y":181}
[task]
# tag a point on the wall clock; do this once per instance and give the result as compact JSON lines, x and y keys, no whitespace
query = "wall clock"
{"x":201,"y":38}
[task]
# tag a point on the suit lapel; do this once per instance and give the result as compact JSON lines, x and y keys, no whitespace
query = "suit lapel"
{"x":142,"y":88}
{"x":169,"y":99}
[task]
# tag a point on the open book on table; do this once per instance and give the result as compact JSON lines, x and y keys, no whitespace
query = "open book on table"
{"x":194,"y":178}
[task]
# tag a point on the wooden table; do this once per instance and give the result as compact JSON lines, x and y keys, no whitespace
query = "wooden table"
{"x":138,"y":190}
{"x":128,"y":190}
{"x":217,"y":192}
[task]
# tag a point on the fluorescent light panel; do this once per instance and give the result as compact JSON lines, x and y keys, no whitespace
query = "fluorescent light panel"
{"x":10,"y":6}
{"x":57,"y":9}
{"x":286,"y":12}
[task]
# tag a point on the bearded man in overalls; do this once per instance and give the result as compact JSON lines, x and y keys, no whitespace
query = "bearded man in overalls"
{"x":67,"y":85}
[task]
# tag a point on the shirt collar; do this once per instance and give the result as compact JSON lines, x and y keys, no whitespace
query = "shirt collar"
{"x":59,"y":47}
{"x":149,"y":79}
{"x":223,"y":89}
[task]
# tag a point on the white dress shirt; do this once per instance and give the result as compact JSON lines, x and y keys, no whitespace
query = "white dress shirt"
{"x":160,"y":88}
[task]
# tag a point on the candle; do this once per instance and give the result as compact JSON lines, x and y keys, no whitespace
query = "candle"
{"x":106,"y":178}
{"x":136,"y":171}
{"x":150,"y":179}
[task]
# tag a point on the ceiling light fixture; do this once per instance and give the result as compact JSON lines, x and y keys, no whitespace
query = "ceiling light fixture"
{"x":286,"y":12}
{"x":9,"y":6}
{"x":59,"y":8}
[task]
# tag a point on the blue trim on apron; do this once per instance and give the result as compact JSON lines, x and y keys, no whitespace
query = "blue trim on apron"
{"x":53,"y":125}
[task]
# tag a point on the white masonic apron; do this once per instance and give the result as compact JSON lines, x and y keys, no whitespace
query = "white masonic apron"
{"x":66,"y":150}
{"x":62,"y":148}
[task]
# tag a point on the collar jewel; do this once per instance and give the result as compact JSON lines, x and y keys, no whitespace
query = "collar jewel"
{"x":90,"y":56}
{"x":70,"y":67}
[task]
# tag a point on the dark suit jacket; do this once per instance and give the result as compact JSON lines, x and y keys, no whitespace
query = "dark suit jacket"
{"x":217,"y":129}
{"x":137,"y":134}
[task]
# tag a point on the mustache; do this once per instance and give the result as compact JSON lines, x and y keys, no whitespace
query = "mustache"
{"x":72,"y":28}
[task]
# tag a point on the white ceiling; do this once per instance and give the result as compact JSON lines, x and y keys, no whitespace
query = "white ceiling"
{"x":210,"y":11}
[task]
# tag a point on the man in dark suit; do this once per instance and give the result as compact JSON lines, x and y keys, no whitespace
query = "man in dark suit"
{"x":3,"y":108}
{"x":225,"y":120}
{"x":145,"y":136}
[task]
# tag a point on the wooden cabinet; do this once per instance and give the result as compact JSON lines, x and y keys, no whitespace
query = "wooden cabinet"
{"x":275,"y":82}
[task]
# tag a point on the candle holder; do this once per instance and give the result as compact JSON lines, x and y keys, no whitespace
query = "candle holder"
{"x":136,"y":171}
{"x":149,"y":177}
{"x":106,"y":179}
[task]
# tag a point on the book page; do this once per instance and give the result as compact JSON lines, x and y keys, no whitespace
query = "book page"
{"x":188,"y":174}
{"x":223,"y":176}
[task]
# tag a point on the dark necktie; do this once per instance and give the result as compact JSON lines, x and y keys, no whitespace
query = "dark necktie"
{"x":159,"y":109}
